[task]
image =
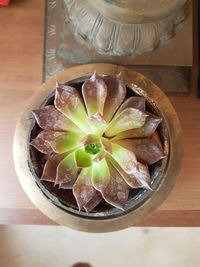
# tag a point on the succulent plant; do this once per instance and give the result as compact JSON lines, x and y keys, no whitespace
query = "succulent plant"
{"x":99,"y":144}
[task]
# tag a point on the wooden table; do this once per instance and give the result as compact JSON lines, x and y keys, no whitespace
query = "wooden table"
{"x":21,"y":51}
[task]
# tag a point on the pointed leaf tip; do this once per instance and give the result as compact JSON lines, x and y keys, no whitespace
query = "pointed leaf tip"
{"x":147,"y":151}
{"x":93,"y":76}
{"x":149,"y":127}
{"x":43,"y":140}
{"x":94,"y":93}
{"x":116,"y":94}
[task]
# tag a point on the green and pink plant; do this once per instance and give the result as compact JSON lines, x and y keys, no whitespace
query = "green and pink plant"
{"x":99,"y":143}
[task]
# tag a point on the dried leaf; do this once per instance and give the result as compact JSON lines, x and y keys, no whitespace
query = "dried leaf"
{"x":83,"y":189}
{"x":146,"y":130}
{"x":42,"y":141}
{"x":49,"y":118}
{"x":128,"y":119}
{"x":94,"y":93}
{"x":146,"y":150}
{"x":116,"y":95}
{"x":68,"y":101}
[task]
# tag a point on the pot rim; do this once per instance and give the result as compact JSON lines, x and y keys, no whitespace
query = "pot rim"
{"x":141,"y":85}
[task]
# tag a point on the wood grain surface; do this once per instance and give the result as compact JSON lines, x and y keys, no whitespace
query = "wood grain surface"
{"x":21,"y":55}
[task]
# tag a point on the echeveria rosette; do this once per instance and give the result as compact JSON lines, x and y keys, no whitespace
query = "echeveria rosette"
{"x":98,"y":144}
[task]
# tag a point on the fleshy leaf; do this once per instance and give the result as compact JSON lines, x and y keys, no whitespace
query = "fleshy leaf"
{"x":146,"y":150}
{"x":49,"y":118}
{"x":94,"y":93}
{"x":128,"y":119}
{"x":67,"y":170}
{"x":136,"y":177}
{"x":89,"y":139}
{"x":107,"y":144}
{"x":83,"y":159}
{"x":97,"y":123}
{"x":83,"y":189}
{"x":128,"y":163}
{"x":69,"y":102}
{"x":100,"y":174}
{"x":124,"y":157}
{"x":50,"y":167}
{"x":116,"y":94}
{"x":136,"y":102}
{"x":97,"y":198}
{"x":42,"y":141}
{"x":142,"y":175}
{"x":68,"y":185}
{"x":66,"y":142}
{"x":146,"y":130}
{"x":117,"y":190}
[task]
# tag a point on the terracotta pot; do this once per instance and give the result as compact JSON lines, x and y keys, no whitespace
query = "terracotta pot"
{"x":103,"y":218}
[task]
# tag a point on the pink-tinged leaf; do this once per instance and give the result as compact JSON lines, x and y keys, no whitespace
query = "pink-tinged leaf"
{"x":129,"y":118}
{"x":146,"y":150}
{"x":100,"y":175}
{"x":83,"y":189}
{"x":68,"y":185}
{"x":97,"y":123}
{"x":106,"y":144}
{"x":69,"y":102}
{"x":136,"y":177}
{"x":67,"y":170}
{"x":98,"y":157}
{"x":94,"y":93}
{"x":83,"y":159}
{"x":89,"y":139}
{"x":49,"y":118}
{"x":136,"y":102}
{"x":142,"y":175}
{"x":50,"y":167}
{"x":146,"y":130}
{"x":117,"y":190}
{"x":97,"y":198}
{"x":116,"y":95}
{"x":42,"y":141}
{"x":124,"y":157}
{"x":66,"y":142}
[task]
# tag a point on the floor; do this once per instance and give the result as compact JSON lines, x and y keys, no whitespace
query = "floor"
{"x":56,"y":246}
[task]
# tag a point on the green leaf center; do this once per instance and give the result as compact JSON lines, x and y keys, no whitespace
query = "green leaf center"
{"x":93,"y":148}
